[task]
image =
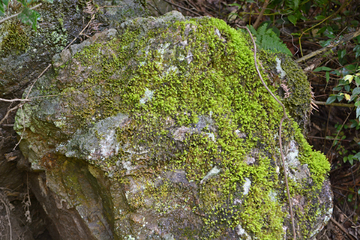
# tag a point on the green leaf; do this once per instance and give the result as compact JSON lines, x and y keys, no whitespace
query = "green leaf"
{"x":357,"y":156}
{"x":6,"y":2}
{"x":23,"y":2}
{"x":342,"y":53}
{"x":340,"y":97}
{"x":349,"y":78}
{"x":351,"y":161}
{"x":318,"y":69}
{"x":357,"y":112}
{"x":357,"y":81}
{"x":320,"y":17}
{"x":351,"y":67}
{"x":347,"y":88}
{"x":232,"y":4}
{"x":292,"y":19}
{"x":356,"y":91}
{"x":268,"y":40}
{"x":30,"y":17}
{"x":352,"y":98}
{"x":357,"y":50}
{"x":327,"y":75}
{"x":338,"y":88}
{"x":357,"y":104}
{"x":2,"y":10}
{"x":331,"y":99}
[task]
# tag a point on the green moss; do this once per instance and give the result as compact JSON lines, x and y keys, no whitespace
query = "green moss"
{"x":209,"y":76}
{"x":16,"y":40}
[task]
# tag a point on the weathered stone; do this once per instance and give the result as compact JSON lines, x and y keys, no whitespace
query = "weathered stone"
{"x":164,"y":131}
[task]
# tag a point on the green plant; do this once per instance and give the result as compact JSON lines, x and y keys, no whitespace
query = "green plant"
{"x":267,"y":39}
{"x":349,"y":84}
{"x":27,"y":16}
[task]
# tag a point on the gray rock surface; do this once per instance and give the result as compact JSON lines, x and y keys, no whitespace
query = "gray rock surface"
{"x":161,"y":129}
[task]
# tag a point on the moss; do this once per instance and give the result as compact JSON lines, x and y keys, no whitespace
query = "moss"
{"x":15,"y":41}
{"x":212,"y":76}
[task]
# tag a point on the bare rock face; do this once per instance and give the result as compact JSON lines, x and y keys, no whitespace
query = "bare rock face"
{"x":161,"y":129}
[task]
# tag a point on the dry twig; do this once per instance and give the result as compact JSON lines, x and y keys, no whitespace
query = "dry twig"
{"x":184,"y":8}
{"x":257,"y":22}
{"x":349,"y":105}
{"x":342,"y":228}
{"x":346,"y":38}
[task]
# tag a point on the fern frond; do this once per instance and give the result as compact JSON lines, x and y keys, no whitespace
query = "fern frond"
{"x":268,"y":40}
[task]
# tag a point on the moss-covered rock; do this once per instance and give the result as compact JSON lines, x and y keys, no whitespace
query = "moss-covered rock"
{"x":161,"y":129}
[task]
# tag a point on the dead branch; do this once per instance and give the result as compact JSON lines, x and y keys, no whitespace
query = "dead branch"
{"x":346,"y":38}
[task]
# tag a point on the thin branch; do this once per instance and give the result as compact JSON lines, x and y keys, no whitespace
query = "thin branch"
{"x":346,"y":38}
{"x":9,"y":111}
{"x":186,"y":9}
{"x":257,"y":22}
{"x":349,"y":105}
{"x":339,"y":131}
{"x":342,"y":228}
{"x":92,"y":18}
{"x":14,"y":100}
{"x":12,"y":16}
{"x":329,"y":17}
{"x":280,"y":130}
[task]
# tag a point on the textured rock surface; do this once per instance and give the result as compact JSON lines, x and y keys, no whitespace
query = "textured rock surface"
{"x":161,"y":129}
{"x":24,"y":54}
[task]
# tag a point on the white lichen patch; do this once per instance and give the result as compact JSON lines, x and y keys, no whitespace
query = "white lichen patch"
{"x":292,"y":155}
{"x":98,"y":142}
{"x":246,"y":186}
{"x":213,"y":172}
{"x":109,"y":145}
{"x":211,"y":136}
{"x":171,"y":69}
{"x":273,"y":196}
{"x":296,"y":170}
{"x":148,"y":95}
{"x":279,"y":69}
{"x":242,"y":233}
{"x":162,"y":48}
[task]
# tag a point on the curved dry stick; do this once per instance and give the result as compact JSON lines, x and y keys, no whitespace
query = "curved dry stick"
{"x":280,"y":129}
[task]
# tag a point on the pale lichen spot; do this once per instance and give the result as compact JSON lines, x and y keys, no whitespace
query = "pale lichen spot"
{"x":279,"y":69}
{"x":247,"y":186}
{"x":213,"y":172}
{"x":148,"y":95}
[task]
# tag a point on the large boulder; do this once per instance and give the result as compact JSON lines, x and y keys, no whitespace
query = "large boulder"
{"x":24,"y":54}
{"x":161,"y":129}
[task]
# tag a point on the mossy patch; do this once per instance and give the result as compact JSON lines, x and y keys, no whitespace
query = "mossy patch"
{"x":15,"y":41}
{"x":197,"y":76}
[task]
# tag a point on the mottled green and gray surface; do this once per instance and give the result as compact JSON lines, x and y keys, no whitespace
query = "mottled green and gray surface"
{"x":161,"y":129}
